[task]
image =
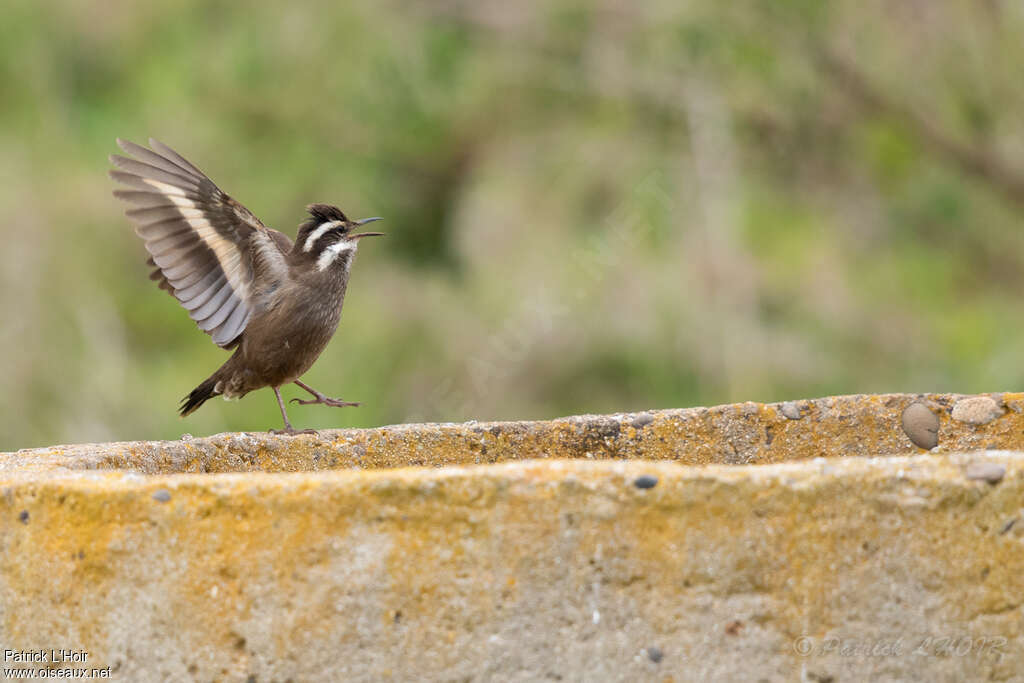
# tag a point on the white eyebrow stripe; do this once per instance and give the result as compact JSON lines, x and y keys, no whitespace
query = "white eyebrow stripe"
{"x":318,"y":233}
{"x":329,"y":254}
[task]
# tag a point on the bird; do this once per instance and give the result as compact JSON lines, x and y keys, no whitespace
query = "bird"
{"x":275,"y":303}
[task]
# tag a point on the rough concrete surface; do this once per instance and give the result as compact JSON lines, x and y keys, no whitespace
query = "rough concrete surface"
{"x":740,"y":433}
{"x":905,"y":567}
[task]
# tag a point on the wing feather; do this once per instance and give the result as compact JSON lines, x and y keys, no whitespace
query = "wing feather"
{"x":158,"y":277}
{"x":153,"y":159}
{"x":175,"y":256}
{"x":173,"y":156}
{"x":217,"y":318}
{"x":138,"y":183}
{"x":174,"y":240}
{"x":189,"y":288}
{"x":139,"y":169}
{"x":144,"y":200}
{"x":197,"y":311}
{"x":155,"y":232}
{"x":234,"y":325}
{"x":208,"y":250}
{"x":177,"y":265}
{"x":210,"y":306}
{"x":203,"y":298}
{"x":169,"y":194}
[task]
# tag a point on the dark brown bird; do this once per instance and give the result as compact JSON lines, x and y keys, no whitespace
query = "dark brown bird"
{"x":276,"y":304}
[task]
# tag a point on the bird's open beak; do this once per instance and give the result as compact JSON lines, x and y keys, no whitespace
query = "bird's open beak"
{"x":367,"y":234}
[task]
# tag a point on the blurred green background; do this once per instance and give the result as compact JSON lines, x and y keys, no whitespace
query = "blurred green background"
{"x":592,"y":207}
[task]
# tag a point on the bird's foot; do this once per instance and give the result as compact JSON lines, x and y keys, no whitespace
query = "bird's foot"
{"x":327,"y":401}
{"x":291,"y":431}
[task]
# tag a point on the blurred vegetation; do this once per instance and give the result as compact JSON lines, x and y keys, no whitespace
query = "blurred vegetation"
{"x":590,"y":207}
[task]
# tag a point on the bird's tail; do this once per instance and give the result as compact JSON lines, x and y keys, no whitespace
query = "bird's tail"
{"x":200,"y":395}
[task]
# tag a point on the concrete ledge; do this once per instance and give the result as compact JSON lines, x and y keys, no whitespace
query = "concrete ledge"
{"x":899,"y":567}
{"x":741,"y":433}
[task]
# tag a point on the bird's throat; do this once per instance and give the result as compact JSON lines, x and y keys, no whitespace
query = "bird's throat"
{"x":343,"y":250}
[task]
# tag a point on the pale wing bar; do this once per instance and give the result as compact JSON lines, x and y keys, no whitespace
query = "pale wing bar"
{"x":195,"y":234}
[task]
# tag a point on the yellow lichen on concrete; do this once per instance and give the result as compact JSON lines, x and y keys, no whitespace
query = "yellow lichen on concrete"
{"x":586,"y":568}
{"x":541,"y":567}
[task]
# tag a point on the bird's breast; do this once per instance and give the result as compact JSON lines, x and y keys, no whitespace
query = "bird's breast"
{"x":288,"y":337}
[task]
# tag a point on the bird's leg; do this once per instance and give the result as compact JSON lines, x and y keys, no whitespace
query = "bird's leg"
{"x":288,"y":429}
{"x":320,"y":398}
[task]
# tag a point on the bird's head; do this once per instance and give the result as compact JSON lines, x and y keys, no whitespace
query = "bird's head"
{"x":329,"y":233}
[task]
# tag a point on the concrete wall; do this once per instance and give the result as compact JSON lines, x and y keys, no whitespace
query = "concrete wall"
{"x":336,"y":563}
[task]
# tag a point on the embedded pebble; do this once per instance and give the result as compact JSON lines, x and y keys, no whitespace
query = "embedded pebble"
{"x":645,"y":481}
{"x":992,"y":472}
{"x":162,"y":495}
{"x":23,"y":516}
{"x":655,"y":654}
{"x":791,"y":410}
{"x":641,"y":421}
{"x":977,"y":410}
{"x":921,"y":426}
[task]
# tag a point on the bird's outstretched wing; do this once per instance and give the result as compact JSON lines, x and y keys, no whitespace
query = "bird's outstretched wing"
{"x":211,"y":252}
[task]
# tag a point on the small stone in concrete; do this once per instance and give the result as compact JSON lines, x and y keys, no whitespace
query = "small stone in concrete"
{"x":645,"y":481}
{"x":23,"y":516}
{"x":921,"y":425}
{"x":991,"y":472}
{"x":791,"y":410}
{"x":655,"y":654}
{"x":641,"y":421}
{"x":162,"y":495}
{"x":977,"y":410}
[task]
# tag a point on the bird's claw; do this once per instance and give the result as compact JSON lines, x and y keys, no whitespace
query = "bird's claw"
{"x":327,"y":401}
{"x":338,"y":403}
{"x":291,"y":431}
